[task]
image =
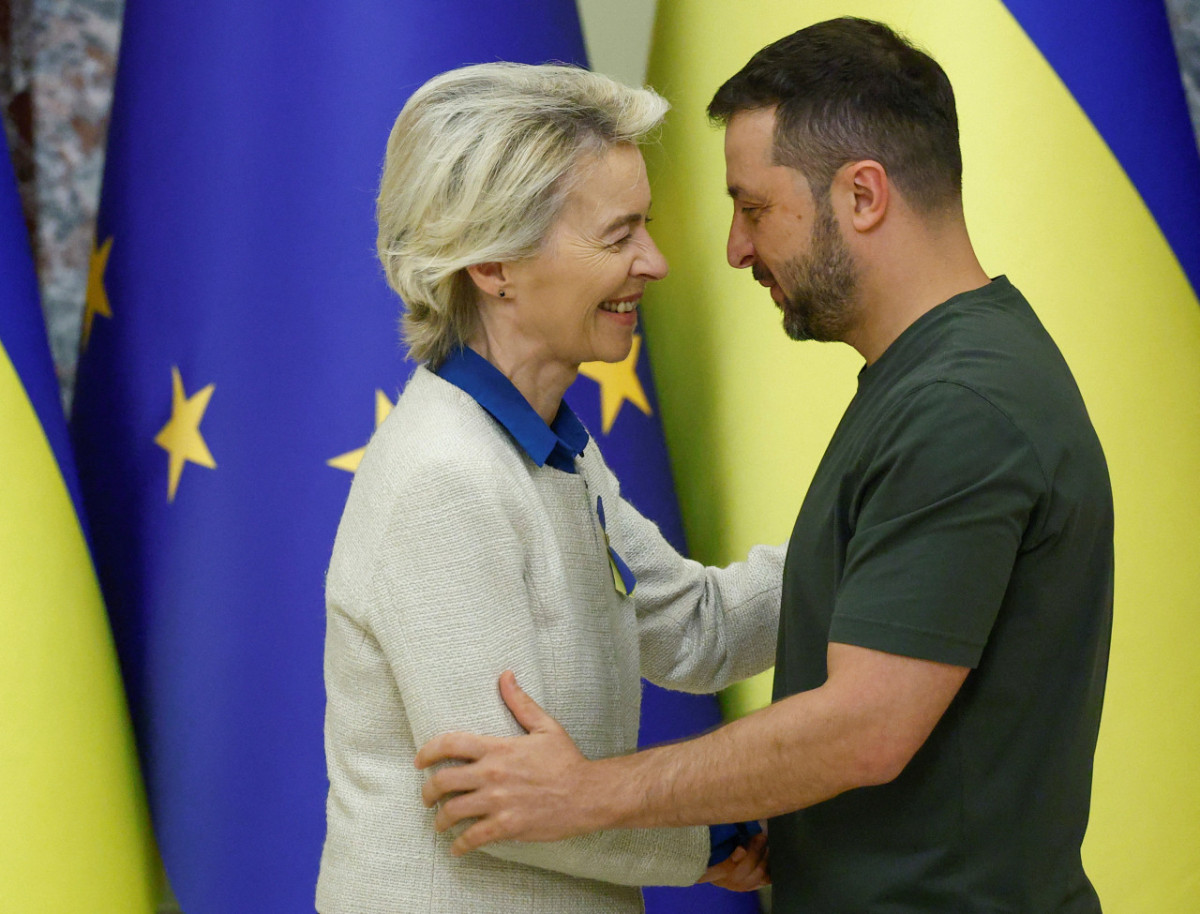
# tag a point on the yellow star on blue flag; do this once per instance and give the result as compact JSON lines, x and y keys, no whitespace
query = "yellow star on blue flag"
{"x":618,"y":383}
{"x":96,"y":302}
{"x":181,"y":437}
{"x":351,"y":459}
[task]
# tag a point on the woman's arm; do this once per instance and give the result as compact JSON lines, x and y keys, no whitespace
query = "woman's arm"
{"x":701,"y":628}
{"x":450,"y":605}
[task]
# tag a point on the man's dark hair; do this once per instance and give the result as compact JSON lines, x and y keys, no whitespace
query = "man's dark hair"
{"x":850,"y":89}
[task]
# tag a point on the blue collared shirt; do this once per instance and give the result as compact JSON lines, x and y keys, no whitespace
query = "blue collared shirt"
{"x":556,"y":444}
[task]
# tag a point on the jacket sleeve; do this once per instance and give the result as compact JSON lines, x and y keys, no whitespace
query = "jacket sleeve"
{"x":450,"y":608}
{"x":700,"y":628}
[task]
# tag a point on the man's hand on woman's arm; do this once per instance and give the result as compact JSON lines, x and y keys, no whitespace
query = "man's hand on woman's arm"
{"x":860,"y":728}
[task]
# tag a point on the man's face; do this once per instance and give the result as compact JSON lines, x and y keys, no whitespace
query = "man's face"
{"x":790,"y":241}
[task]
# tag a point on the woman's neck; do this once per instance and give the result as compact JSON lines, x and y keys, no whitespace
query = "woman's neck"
{"x":541,"y":381}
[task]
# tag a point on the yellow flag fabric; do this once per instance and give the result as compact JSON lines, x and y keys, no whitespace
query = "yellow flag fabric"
{"x":74,"y":832}
{"x":748,"y":412}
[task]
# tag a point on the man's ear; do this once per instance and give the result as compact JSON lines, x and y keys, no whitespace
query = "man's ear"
{"x":490,"y":278}
{"x":865,"y":191}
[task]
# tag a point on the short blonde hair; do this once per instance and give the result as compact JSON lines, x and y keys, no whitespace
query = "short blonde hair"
{"x":478,"y":166}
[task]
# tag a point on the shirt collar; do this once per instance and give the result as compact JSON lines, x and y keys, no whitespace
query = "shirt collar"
{"x":557,"y":444}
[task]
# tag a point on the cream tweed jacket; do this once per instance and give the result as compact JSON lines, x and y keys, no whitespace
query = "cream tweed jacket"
{"x":457,"y":558}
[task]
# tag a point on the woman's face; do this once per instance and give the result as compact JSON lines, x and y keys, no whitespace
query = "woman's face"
{"x":577,"y":300}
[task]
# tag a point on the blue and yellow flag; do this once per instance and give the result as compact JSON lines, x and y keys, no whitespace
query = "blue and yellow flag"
{"x":239,"y":346}
{"x":74,"y":835}
{"x":1082,"y":184}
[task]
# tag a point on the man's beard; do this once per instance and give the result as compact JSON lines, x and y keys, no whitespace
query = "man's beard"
{"x":819,"y":287}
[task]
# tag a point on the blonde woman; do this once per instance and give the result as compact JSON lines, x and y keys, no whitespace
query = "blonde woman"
{"x":484,"y":532}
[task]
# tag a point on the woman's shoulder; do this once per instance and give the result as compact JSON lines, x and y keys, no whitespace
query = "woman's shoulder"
{"x":437,"y":453}
{"x":434,"y":422}
{"x":433,"y":458}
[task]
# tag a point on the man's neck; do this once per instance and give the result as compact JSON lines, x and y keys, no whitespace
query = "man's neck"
{"x":907,"y":282}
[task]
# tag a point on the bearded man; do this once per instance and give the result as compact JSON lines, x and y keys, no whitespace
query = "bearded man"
{"x":947,"y":596}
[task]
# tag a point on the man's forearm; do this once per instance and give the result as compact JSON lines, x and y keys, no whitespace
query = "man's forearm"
{"x":858,"y":729}
{"x":776,"y":760}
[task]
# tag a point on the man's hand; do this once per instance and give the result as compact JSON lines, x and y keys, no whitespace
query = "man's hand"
{"x":525,"y":788}
{"x":744,"y":870}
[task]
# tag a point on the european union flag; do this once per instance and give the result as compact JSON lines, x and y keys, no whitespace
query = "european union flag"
{"x":239,"y":346}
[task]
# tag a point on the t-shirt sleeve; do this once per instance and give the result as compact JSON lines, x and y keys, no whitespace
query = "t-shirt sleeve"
{"x":944,"y":503}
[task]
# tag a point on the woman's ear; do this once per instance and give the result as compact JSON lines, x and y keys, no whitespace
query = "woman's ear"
{"x":865,"y":191}
{"x":490,"y":278}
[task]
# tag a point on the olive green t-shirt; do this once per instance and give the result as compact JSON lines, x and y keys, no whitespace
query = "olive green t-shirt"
{"x":962,"y":513}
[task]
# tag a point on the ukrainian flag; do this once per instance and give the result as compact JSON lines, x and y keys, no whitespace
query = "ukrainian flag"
{"x":73,"y":829}
{"x":1082,"y":184}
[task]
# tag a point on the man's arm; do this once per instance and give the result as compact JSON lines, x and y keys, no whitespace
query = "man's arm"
{"x":860,"y":728}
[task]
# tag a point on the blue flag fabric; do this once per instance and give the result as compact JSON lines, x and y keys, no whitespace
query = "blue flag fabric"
{"x":1118,"y":60}
{"x":239,"y":346}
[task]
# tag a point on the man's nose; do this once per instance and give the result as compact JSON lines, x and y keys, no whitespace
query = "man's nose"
{"x":738,"y":249}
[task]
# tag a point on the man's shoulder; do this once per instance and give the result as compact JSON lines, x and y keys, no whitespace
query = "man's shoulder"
{"x":992,"y":343}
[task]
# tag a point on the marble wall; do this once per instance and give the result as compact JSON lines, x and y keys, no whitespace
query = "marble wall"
{"x":1185,"y":24}
{"x":57,"y":62}
{"x":56,"y":75}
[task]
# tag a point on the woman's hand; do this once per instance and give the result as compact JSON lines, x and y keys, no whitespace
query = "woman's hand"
{"x":744,"y":870}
